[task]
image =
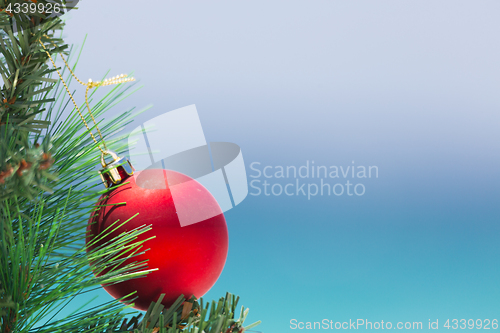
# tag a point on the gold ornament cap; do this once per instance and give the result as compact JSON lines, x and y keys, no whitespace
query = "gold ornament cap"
{"x":115,"y":172}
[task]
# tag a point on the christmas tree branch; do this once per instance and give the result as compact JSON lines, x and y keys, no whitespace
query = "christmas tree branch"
{"x":48,"y":185}
{"x":25,"y":163}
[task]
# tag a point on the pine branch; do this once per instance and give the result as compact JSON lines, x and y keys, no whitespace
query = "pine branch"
{"x":39,"y":267}
{"x":25,"y":163}
{"x":45,"y":149}
{"x":187,"y":316}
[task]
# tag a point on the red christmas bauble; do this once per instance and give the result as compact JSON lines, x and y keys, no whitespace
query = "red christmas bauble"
{"x":189,"y":258}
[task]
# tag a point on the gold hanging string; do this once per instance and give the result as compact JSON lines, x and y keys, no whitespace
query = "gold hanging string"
{"x":114,"y":80}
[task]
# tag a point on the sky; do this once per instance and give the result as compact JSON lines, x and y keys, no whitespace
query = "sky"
{"x":408,"y":87}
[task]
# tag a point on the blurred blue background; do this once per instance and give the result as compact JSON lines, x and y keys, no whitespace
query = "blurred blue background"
{"x":411,"y":87}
